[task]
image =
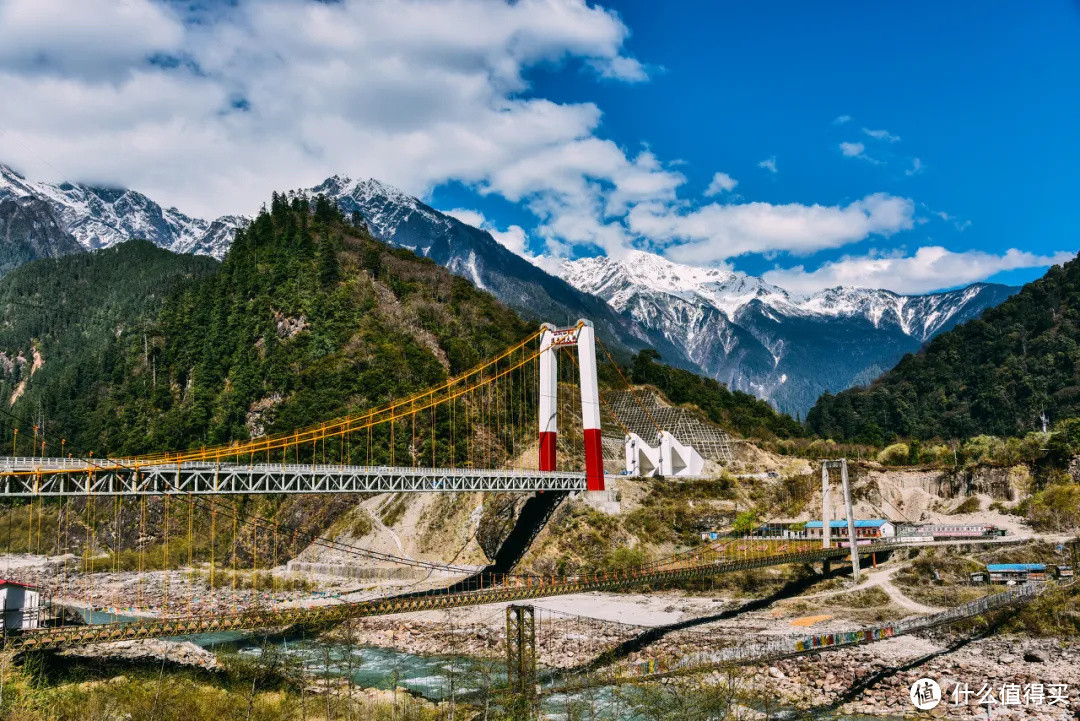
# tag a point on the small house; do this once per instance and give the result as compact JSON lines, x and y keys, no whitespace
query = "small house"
{"x":1016,"y":572}
{"x":21,"y":605}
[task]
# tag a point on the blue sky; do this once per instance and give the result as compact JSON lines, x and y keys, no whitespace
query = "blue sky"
{"x":911,"y":145}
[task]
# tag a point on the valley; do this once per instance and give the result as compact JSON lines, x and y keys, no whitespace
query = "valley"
{"x":313,"y":352}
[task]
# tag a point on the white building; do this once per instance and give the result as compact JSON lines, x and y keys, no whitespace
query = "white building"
{"x":21,"y":604}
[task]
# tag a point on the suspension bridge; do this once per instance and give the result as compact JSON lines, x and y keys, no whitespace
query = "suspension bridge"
{"x":494,"y":428}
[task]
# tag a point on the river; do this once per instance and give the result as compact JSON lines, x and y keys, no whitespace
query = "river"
{"x":433,"y":677}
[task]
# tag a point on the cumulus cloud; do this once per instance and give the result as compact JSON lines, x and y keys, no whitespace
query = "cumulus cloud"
{"x":714,"y":232}
{"x":881,"y":135}
{"x":513,"y":238}
{"x":858,"y":150}
{"x":930,"y":268}
{"x":852,"y":150}
{"x":916,"y":167}
{"x":721,"y":183}
{"x":94,"y":40}
{"x":467,"y":216}
{"x":842,"y":120}
{"x":211,"y":106}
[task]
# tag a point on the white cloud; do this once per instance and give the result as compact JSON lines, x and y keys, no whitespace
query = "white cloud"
{"x":952,"y":219}
{"x":916,"y":167}
{"x":881,"y":135}
{"x":90,"y":39}
{"x":620,"y":68}
{"x":858,"y":150}
{"x":715,"y":232}
{"x":513,"y":238}
{"x":721,"y":183}
{"x":469,"y":217}
{"x":842,"y":120}
{"x":852,"y":150}
{"x":210,"y":109}
{"x":930,"y":268}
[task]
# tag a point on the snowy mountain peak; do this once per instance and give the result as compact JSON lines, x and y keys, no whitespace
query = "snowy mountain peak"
{"x":337,"y":186}
{"x":759,"y":338}
{"x":100,"y":217}
{"x":639,"y":272}
{"x":623,"y":281}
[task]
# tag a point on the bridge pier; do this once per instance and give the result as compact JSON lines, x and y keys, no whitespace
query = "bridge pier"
{"x":521,"y":673}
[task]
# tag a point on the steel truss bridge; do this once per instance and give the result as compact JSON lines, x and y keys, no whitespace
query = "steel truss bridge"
{"x":512,"y":588}
{"x":54,"y":477}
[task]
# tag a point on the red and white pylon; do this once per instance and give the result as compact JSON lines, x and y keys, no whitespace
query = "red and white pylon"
{"x":582,"y":335}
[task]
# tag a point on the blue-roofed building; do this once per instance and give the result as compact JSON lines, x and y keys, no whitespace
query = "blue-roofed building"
{"x":1016,"y":572}
{"x":864,"y":528}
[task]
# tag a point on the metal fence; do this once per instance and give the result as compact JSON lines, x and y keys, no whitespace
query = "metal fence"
{"x":759,"y":651}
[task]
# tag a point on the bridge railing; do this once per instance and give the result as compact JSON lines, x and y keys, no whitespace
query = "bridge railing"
{"x":795,"y":645}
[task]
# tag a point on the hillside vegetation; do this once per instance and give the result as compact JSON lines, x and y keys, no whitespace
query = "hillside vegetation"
{"x":306,"y":317}
{"x":739,"y":412}
{"x":993,"y":375}
{"x":67,"y":326}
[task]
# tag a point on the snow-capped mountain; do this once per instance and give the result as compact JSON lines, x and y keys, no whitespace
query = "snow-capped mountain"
{"x":402,"y":220}
{"x":30,"y":230}
{"x":737,"y":328}
{"x":759,"y":338}
{"x":101,"y":217}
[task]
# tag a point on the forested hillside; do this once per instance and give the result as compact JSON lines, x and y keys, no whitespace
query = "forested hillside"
{"x":994,"y":375}
{"x":736,"y":411}
{"x":67,"y":327}
{"x":306,"y":316}
{"x":136,"y":349}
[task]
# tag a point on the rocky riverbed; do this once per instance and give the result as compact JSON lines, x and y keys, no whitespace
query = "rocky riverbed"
{"x":876,"y":680}
{"x":182,"y":653}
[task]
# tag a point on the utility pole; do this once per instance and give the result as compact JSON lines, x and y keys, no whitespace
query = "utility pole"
{"x":826,"y":512}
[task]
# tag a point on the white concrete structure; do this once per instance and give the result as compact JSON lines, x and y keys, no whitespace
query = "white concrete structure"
{"x":679,"y":459}
{"x":21,"y":606}
{"x":668,"y":458}
{"x":642,"y":460}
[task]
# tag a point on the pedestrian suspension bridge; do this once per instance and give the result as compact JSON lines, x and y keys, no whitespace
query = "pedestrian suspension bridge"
{"x":494,"y":428}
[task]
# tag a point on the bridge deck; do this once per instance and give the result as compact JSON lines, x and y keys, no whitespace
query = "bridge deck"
{"x":519,"y":588}
{"x":32,"y":477}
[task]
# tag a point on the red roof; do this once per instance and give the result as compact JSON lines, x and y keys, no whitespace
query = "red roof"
{"x":6,"y":582}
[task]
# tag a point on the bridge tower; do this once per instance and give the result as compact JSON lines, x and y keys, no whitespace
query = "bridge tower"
{"x":826,"y":511}
{"x":521,"y":674}
{"x":582,"y":335}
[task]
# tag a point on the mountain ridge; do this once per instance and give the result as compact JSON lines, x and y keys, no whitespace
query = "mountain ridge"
{"x":101,"y":217}
{"x":733,"y":327}
{"x":997,"y":374}
{"x":758,"y":337}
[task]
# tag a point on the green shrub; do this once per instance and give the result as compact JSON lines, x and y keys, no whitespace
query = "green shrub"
{"x":1055,"y":508}
{"x":895,"y":455}
{"x":970,"y":505}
